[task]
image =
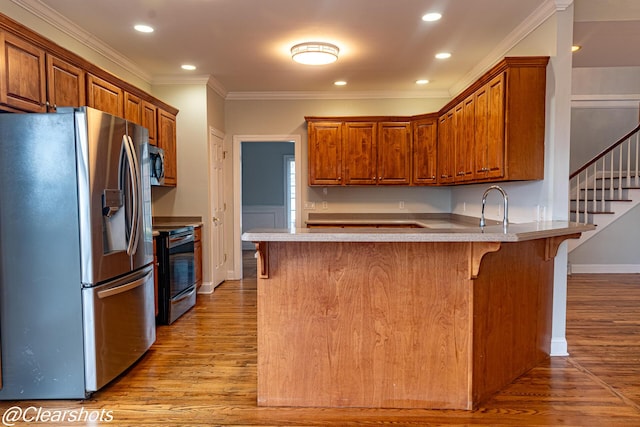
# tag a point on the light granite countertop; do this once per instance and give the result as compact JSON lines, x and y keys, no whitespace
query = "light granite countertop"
{"x":430,"y":228}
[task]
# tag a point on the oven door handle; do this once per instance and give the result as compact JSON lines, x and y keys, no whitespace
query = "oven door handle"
{"x":179,"y":240}
{"x":123,"y":288}
{"x":187,"y":295}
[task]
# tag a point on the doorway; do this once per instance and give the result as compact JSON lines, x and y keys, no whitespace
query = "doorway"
{"x":270,"y":165}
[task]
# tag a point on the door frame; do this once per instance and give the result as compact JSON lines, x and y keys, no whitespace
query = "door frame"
{"x":237,"y":188}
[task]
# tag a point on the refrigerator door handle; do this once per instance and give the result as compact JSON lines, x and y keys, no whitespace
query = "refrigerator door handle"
{"x":123,"y":288}
{"x":133,"y":175}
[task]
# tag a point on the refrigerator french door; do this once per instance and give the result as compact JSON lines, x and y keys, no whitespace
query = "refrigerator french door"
{"x":76,"y":276}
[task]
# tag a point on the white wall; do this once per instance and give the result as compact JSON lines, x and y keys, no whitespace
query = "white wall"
{"x":191,"y":196}
{"x":605,"y":108}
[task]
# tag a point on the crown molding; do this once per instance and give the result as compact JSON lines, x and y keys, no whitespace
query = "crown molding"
{"x":180,"y":80}
{"x":295,"y":95}
{"x":533,"y":21}
{"x":59,"y":22}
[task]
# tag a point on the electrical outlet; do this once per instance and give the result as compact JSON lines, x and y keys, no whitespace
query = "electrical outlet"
{"x":310,"y":205}
{"x":325,"y":205}
{"x":401,"y":204}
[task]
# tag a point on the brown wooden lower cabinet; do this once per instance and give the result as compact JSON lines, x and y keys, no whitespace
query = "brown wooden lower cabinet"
{"x":400,"y":324}
{"x":197,"y":253}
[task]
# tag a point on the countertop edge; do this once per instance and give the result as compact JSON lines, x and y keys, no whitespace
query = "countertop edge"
{"x":493,"y":233}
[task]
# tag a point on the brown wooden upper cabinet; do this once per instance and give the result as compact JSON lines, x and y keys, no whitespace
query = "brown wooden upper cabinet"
{"x":105,"y":96}
{"x":446,"y":148}
{"x":167,"y":141}
{"x":492,"y":131}
{"x":359,"y":152}
{"x":65,"y":84}
{"x":424,"y":150}
{"x":132,"y":108}
{"x":36,"y":75}
{"x":501,"y":127}
{"x":359,"y":142}
{"x":149,"y":118}
{"x":325,"y":152}
{"x":394,"y":153}
{"x":22,"y":75}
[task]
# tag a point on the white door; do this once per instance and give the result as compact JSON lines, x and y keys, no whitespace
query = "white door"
{"x":218,"y":256}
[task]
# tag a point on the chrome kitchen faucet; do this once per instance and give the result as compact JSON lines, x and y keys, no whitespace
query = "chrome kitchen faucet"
{"x":505,"y":198}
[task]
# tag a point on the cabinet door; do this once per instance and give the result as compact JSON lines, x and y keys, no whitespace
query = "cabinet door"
{"x":360,"y":152}
{"x":464,"y":130}
{"x":22,"y":74}
{"x":197,"y":255}
{"x":104,"y":96}
{"x":446,"y":149}
{"x":481,"y":163}
{"x":394,"y":153}
{"x":495,"y":127}
{"x":167,"y":141}
{"x":149,"y":118}
{"x":132,"y":108}
{"x":65,"y":84}
{"x":325,"y":153}
{"x":425,"y":134}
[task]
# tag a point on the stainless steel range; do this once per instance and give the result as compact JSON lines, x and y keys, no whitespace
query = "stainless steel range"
{"x":176,"y":272}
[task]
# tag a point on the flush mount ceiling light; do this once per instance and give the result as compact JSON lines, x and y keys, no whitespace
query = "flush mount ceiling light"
{"x":143,"y":28}
{"x":314,"y":53}
{"x":431,"y":17}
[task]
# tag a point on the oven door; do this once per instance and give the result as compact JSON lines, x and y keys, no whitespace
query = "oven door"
{"x":181,"y":263}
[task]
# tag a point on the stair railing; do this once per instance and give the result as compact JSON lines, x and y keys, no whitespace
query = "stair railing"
{"x":604,"y":177}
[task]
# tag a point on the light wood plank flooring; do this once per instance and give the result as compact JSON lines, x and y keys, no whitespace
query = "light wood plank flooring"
{"x":202,"y":372}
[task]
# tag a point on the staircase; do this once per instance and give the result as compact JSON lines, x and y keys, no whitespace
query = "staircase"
{"x":606,"y":187}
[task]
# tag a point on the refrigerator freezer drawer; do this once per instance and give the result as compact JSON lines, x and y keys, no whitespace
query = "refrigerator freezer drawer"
{"x":119,"y":320}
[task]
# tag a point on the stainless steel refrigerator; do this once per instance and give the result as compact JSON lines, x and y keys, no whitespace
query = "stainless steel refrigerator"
{"x":76,"y":252}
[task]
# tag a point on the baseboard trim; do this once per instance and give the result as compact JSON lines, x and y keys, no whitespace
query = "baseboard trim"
{"x":206,"y":288}
{"x":605,"y":268}
{"x":559,"y":347}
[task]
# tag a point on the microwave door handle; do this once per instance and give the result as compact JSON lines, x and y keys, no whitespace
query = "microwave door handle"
{"x":134,"y":188}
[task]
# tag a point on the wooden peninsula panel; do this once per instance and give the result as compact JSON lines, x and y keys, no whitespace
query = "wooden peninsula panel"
{"x":399,"y":324}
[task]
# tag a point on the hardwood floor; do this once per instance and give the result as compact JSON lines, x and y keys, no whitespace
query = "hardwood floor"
{"x":202,"y":372}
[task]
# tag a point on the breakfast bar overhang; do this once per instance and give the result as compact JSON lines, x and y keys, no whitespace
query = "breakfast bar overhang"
{"x":441,"y":316}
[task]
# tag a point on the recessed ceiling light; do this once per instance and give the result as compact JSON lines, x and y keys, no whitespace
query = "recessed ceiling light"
{"x":430,"y":17}
{"x":340,"y":83}
{"x":443,"y":55}
{"x":143,"y":28}
{"x":188,"y":67}
{"x":575,"y":48}
{"x":422,"y":82}
{"x":315,"y":53}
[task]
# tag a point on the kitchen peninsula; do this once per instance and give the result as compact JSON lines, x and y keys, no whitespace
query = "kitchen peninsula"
{"x":402,"y":311}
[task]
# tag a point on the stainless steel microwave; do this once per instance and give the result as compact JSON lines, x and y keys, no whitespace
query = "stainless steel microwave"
{"x":156,"y":163}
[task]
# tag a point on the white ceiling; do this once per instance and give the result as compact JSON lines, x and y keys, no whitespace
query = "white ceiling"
{"x":385,"y":46}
